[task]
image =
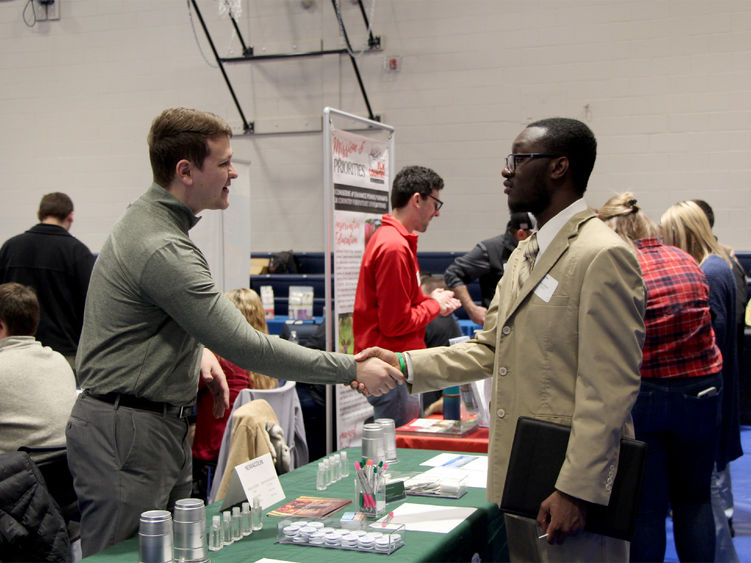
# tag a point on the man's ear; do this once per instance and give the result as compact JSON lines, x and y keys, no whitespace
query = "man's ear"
{"x":184,"y":171}
{"x":416,"y":199}
{"x":560,"y":167}
{"x":3,"y":330}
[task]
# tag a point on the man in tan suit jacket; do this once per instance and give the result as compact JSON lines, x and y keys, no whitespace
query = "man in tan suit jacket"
{"x":565,"y":346}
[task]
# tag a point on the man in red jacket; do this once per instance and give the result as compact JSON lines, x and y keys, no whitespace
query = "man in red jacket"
{"x":390,"y":308}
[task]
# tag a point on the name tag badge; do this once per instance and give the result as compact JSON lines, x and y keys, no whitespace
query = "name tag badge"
{"x":546,"y":288}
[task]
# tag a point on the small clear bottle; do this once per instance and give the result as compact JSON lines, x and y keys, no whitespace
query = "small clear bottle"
{"x":344,"y":464}
{"x":236,"y":524}
{"x":257,"y":518}
{"x":246,"y":526}
{"x":227,"y":527}
{"x":337,"y":467}
{"x":321,"y":477}
{"x":216,"y":538}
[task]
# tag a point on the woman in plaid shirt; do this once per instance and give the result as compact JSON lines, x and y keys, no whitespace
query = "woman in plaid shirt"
{"x":677,"y":410}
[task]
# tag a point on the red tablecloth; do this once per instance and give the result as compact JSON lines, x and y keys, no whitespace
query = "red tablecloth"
{"x":476,"y":441}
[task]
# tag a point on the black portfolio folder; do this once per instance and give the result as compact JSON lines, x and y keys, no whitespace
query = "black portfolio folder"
{"x":536,"y":458}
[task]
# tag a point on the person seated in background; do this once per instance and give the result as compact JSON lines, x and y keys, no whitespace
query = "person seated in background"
{"x":676,"y":411}
{"x":38,"y":384}
{"x":486,"y":262}
{"x":209,"y":430}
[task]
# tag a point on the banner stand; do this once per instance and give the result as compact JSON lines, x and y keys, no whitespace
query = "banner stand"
{"x":357,"y":173}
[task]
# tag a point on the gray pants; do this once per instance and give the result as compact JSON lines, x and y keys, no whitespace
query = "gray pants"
{"x":124,"y":461}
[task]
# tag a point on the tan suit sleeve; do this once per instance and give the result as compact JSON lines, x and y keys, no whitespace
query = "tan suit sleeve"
{"x":611,"y":334}
{"x":438,"y":368}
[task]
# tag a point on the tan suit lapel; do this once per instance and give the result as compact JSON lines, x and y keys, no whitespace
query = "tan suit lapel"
{"x":552,"y":254}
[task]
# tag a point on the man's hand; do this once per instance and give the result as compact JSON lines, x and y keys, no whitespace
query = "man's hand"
{"x":216,"y":382}
{"x":359,"y":387}
{"x":373,"y":352}
{"x":476,"y":313}
{"x":380,"y":353}
{"x":446,"y":300}
{"x":378,"y":376}
{"x":561,"y":515}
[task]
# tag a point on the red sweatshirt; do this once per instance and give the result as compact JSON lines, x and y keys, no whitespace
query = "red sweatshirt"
{"x":390,"y":308}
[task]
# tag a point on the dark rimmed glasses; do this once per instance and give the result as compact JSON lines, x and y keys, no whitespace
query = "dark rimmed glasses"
{"x":513,"y":160}
{"x":438,"y":202}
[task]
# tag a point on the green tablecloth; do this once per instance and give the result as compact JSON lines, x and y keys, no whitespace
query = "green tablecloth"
{"x":483,"y":532}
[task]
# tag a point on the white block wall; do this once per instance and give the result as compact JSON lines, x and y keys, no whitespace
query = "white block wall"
{"x":665,"y":85}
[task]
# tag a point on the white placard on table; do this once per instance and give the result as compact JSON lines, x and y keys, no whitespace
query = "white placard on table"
{"x":430,"y":517}
{"x":254,"y":478}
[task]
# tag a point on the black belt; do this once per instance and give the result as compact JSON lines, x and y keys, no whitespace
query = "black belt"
{"x":121,"y":400}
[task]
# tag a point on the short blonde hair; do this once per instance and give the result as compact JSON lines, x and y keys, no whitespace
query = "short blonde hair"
{"x":249,"y":304}
{"x":623,"y":214}
{"x":686,"y":226}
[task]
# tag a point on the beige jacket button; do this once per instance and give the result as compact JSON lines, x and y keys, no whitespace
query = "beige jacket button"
{"x":506,"y":330}
{"x":502,"y":371}
{"x":501,"y":413}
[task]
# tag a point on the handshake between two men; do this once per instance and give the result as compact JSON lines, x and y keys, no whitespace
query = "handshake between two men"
{"x":377,"y":372}
{"x":378,"y":369}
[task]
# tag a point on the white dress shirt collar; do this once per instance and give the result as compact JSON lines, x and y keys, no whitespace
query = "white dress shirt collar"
{"x":547,"y":232}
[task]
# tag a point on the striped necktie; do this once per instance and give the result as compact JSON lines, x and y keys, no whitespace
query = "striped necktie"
{"x":529,"y":255}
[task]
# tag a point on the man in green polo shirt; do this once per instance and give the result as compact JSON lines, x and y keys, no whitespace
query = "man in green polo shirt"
{"x":151,"y":308}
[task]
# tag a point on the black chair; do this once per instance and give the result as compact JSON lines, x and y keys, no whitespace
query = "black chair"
{"x":53,"y":465}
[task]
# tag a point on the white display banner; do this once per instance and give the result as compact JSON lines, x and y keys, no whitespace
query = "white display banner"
{"x":360,"y":174}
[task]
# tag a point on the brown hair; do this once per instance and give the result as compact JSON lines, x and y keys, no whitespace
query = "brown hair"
{"x":249,"y":304}
{"x":182,"y":133}
{"x":430,"y":283}
{"x":56,"y":204}
{"x":413,"y":179}
{"x":686,"y":226}
{"x":623,"y":214}
{"x":19,"y":309}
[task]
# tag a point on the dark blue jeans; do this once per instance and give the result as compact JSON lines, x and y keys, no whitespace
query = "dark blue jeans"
{"x":681,"y":432}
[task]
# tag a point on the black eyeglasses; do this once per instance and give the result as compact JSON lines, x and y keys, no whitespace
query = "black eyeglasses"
{"x":438,"y":202}
{"x":513,"y":160}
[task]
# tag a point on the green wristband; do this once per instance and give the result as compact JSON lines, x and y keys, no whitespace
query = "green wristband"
{"x":402,"y":364}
